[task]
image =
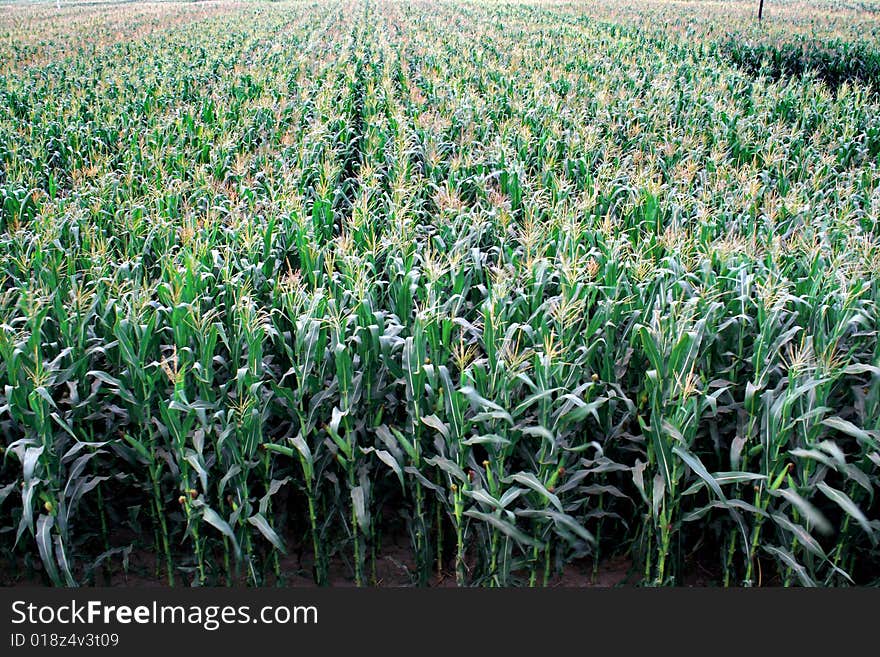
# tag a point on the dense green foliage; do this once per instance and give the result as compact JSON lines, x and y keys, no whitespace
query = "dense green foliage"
{"x":833,"y":62}
{"x":520,"y":287}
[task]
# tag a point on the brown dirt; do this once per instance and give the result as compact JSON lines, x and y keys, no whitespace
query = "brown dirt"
{"x":394,"y":568}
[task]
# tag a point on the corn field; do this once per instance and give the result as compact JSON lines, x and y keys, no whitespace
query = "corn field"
{"x":508,"y":289}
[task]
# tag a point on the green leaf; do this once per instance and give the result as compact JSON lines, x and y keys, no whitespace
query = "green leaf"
{"x":114,"y":383}
{"x":389,"y":460}
{"x":848,"y":428}
{"x":810,"y":512}
{"x":792,"y":563}
{"x":657,"y":495}
{"x":529,"y":480}
{"x":638,"y":475}
{"x":483,"y":497}
{"x":42,"y":392}
{"x":654,"y":358}
{"x":562,"y":519}
{"x":494,"y":410}
{"x":306,"y":460}
{"x":845,"y":502}
{"x":806,"y":539}
{"x":360,"y":508}
{"x":138,"y":447}
{"x":44,"y":545}
{"x":504,"y":527}
{"x":486,"y":439}
{"x":724,"y":478}
{"x":695,"y":464}
{"x":61,"y":556}
{"x":664,"y":457}
{"x":435,"y":423}
{"x":213,"y":518}
{"x":448,"y":466}
{"x":260,"y":522}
